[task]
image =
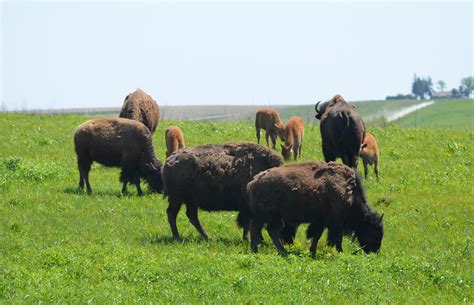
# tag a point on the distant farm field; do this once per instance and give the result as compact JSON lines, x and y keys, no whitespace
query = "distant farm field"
{"x":452,"y":114}
{"x":59,"y":245}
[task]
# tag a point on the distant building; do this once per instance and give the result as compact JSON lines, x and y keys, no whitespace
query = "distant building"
{"x":446,"y":94}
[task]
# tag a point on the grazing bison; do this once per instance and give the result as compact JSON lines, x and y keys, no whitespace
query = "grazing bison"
{"x":270,"y":121}
{"x":369,"y":152}
{"x":213,"y":178}
{"x":141,"y":107}
{"x":342,"y":130}
{"x":120,"y":143}
{"x":325,"y":195}
{"x":174,"y":139}
{"x":294,"y":133}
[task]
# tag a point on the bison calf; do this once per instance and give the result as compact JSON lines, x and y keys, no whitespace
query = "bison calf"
{"x":141,"y":107}
{"x":174,"y":139}
{"x":270,"y":121}
{"x":325,"y":195}
{"x":118,"y":143}
{"x":294,"y":133}
{"x":369,"y":152}
{"x":213,"y":178}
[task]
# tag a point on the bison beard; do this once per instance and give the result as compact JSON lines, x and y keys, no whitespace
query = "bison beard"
{"x":213,"y":178}
{"x":324,"y":195}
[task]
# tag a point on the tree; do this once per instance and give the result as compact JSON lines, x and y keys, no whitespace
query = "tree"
{"x":441,"y":85}
{"x":422,"y":87}
{"x":467,"y":85}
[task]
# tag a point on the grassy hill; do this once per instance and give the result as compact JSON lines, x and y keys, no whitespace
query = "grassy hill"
{"x":453,"y":114}
{"x":60,"y":245}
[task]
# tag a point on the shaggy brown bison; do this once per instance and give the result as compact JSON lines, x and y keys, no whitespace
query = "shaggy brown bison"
{"x":369,"y":152}
{"x":294,"y":133}
{"x":213,"y":178}
{"x":325,"y":195}
{"x":270,"y":121}
{"x":342,"y":130}
{"x":120,"y":143}
{"x":141,"y":107}
{"x":174,"y":139}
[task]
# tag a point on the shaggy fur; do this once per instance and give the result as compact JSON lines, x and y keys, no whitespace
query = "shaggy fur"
{"x":369,"y":152}
{"x":294,"y":133}
{"x":213,"y":178}
{"x":270,"y":121}
{"x":342,"y":130}
{"x":141,"y":107}
{"x":120,"y":143}
{"x":174,"y":140}
{"x":325,"y":195}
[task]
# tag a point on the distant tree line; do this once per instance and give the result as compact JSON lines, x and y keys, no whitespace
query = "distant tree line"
{"x":422,"y":88}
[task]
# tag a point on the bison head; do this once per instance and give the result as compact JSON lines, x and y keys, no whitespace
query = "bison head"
{"x":286,"y":151}
{"x":320,"y":111}
{"x":370,"y":233}
{"x":153,"y":176}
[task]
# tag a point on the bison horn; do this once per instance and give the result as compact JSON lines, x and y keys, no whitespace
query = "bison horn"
{"x":316,"y":107}
{"x":380,"y":219}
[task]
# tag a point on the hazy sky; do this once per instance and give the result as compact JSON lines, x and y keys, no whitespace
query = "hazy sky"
{"x":92,"y":54}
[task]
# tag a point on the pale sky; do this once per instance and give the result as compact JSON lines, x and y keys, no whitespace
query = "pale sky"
{"x":92,"y":54}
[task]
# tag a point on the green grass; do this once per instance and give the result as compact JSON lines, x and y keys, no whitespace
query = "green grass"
{"x":60,"y":245}
{"x":452,"y":114}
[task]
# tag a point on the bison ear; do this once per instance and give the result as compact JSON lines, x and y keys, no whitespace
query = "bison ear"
{"x":282,"y":146}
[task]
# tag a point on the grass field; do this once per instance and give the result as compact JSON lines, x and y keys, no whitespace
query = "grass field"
{"x":59,"y":245}
{"x":452,"y":114}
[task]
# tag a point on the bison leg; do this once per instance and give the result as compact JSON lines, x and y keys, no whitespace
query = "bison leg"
{"x":328,"y":155}
{"x":172,"y":211}
{"x":256,"y":226}
{"x":288,"y":233}
{"x":273,"y":138}
{"x":335,"y":237}
{"x":366,"y":168}
{"x":136,"y":181}
{"x":266,"y":138}
{"x":274,"y":228}
{"x":192,"y":213}
{"x":314,"y":232}
{"x":243,"y":222}
{"x":376,"y":168}
{"x":124,"y":187}
{"x":258,"y":135}
{"x":84,"y":169}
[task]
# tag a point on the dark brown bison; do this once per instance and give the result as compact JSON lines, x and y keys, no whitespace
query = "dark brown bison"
{"x":369,"y":152}
{"x":270,"y":121}
{"x":213,"y":178}
{"x":325,"y":195}
{"x":120,"y":143}
{"x":294,"y":133}
{"x":174,"y":139}
{"x":342,"y":130}
{"x":141,"y":107}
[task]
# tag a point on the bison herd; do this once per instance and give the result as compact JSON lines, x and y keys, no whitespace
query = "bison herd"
{"x":246,"y":177}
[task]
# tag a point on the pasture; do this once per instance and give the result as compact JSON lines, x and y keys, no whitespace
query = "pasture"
{"x":58,"y":244}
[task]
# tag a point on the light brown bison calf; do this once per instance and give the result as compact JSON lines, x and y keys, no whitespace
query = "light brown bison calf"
{"x":294,"y":133}
{"x":369,"y":152}
{"x":174,"y":139}
{"x":141,"y":107}
{"x":270,"y":121}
